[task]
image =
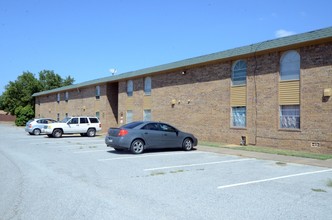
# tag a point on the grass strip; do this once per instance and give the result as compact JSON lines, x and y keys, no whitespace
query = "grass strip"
{"x":271,"y":150}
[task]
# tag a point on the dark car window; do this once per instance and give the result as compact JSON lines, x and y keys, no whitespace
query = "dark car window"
{"x":151,"y":126}
{"x":84,"y":121}
{"x":168,"y":128}
{"x":132,"y":124}
{"x":94,"y":120}
{"x":74,"y":121}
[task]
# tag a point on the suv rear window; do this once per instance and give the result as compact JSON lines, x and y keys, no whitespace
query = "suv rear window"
{"x":94,"y":120}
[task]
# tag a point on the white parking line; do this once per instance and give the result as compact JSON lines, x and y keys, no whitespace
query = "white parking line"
{"x":275,"y":178}
{"x":197,"y":164}
{"x":154,"y":155}
{"x":89,"y":151}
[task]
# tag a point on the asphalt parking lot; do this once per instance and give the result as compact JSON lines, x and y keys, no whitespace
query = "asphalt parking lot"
{"x":80,"y":178}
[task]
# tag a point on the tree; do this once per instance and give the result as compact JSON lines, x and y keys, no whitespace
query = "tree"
{"x":17,"y":98}
{"x":50,"y":80}
{"x":19,"y":93}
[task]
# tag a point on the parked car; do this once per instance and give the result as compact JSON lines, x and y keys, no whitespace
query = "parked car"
{"x":84,"y":125}
{"x":36,"y":126}
{"x":141,"y":135}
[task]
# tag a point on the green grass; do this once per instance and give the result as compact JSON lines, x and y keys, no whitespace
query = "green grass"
{"x":329,"y":183}
{"x":318,"y":190}
{"x":157,"y":174}
{"x":271,"y":150}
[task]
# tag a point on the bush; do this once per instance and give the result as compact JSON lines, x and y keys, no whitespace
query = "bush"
{"x":23,"y":114}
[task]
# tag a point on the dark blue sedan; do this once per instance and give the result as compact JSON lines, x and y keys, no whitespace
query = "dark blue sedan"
{"x":141,"y":135}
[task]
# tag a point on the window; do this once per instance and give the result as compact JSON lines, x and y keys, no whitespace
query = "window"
{"x":290,"y":66}
{"x":97,"y":92}
{"x":239,"y":73}
{"x":66,"y":96}
{"x":84,"y":121}
{"x":97,"y":114}
{"x":239,"y":117}
{"x":130,"y":88}
{"x":290,"y":116}
{"x":94,"y":120}
{"x":147,"y":115}
{"x":58,"y":97}
{"x":168,"y":128}
{"x":58,"y":117}
{"x":129,"y":116}
{"x":66,"y":115}
{"x":147,"y":86}
{"x":151,"y":126}
{"x":73,"y":121}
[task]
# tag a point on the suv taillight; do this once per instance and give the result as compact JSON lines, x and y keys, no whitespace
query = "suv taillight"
{"x":122,"y":133}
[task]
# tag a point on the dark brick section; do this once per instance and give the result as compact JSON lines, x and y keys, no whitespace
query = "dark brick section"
{"x":7,"y":117}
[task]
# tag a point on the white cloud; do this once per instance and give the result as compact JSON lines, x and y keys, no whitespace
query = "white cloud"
{"x":283,"y":33}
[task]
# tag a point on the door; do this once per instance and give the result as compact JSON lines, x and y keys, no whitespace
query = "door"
{"x":72,"y":126}
{"x":169,"y":135}
{"x":83,"y":125}
{"x":152,"y":135}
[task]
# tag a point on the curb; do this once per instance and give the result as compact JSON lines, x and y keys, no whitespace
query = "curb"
{"x":266,"y":156}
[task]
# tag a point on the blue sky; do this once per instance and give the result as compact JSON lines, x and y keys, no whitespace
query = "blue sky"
{"x":85,"y":38}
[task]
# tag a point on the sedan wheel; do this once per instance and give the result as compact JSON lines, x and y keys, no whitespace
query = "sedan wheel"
{"x":137,"y":146}
{"x":36,"y":131}
{"x":187,"y":144}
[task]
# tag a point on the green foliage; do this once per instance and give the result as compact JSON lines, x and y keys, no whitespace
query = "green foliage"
{"x":23,"y":114}
{"x":50,"y":80}
{"x":17,"y":98}
{"x":19,"y":93}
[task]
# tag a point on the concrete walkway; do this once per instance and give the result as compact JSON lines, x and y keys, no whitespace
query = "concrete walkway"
{"x":265,"y":156}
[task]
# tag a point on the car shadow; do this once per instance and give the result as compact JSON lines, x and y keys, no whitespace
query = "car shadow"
{"x":73,"y":136}
{"x":148,"y":151}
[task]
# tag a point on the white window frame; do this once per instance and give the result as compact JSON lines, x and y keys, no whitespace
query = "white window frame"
{"x":66,"y":96}
{"x":147,"y":85}
{"x":239,"y":68}
{"x":58,"y":97}
{"x":290,"y":117}
{"x":129,"y":116}
{"x":290,"y":65}
{"x":147,"y":115}
{"x":97,"y":92}
{"x":238,"y":118}
{"x":130,"y":87}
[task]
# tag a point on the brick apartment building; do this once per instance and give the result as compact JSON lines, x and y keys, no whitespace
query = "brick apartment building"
{"x":275,"y":93}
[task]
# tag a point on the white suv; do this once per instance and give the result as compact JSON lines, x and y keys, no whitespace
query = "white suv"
{"x":86,"y":126}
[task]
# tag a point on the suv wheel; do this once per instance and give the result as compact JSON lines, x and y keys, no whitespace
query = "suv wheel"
{"x":57,"y":133}
{"x":91,"y":132}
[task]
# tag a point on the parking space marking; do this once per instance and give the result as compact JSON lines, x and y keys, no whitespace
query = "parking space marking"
{"x":154,"y":155}
{"x":197,"y":164}
{"x":272,"y":179}
{"x":89,"y":151}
